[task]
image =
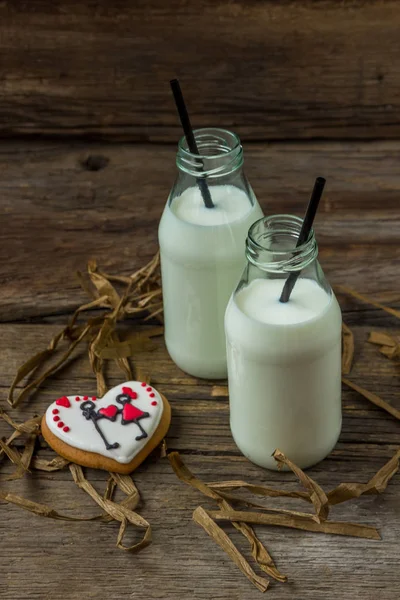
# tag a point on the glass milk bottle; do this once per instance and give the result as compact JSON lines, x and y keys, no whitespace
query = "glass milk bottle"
{"x":284,"y":359}
{"x":202,"y":249}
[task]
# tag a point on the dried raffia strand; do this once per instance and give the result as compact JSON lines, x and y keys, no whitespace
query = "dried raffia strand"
{"x":157,"y":312}
{"x":373,"y":398}
{"x":126,"y":484}
{"x":118,"y":512}
{"x":46,"y":511}
{"x":317,"y":494}
{"x":346,"y":290}
{"x":259,"y":490}
{"x":347,"y":349}
{"x":391,"y":352}
{"x":249,"y":504}
{"x":184,"y":474}
{"x":110,"y":488}
{"x":388,"y":345}
{"x":142,"y":375}
{"x":55,"y":464}
{"x":202,"y":518}
{"x":278,"y":493}
{"x":102,"y":285}
{"x":141,"y":296}
{"x":29,"y":426}
{"x":137,"y":342}
{"x":259,"y":552}
{"x":21,"y":461}
{"x":12,"y":453}
{"x":26,"y":457}
{"x":25,"y":460}
{"x":88,"y":289}
{"x":42,"y":510}
{"x":281,"y":511}
{"x":122,"y":362}
{"x":342,"y":493}
{"x":100,"y":302}
{"x":36,"y":383}
{"x":75,"y":334}
{"x":381,"y":339}
{"x":98,"y":366}
{"x":163,"y":449}
{"x":280,"y":520}
{"x":219,"y":391}
{"x":376,"y":485}
{"x":144,"y":299}
{"x":4,"y":445}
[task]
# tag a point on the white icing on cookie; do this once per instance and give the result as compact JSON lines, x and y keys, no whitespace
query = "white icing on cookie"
{"x":128,"y":411}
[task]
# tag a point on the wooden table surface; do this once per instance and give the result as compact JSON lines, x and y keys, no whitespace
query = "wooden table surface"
{"x":55,"y":214}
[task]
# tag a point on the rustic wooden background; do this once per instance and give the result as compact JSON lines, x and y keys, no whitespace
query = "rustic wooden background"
{"x":89,"y":133}
{"x":270,"y":69}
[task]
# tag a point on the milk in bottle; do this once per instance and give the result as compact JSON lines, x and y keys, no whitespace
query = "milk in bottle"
{"x":284,"y":359}
{"x":202,"y":250}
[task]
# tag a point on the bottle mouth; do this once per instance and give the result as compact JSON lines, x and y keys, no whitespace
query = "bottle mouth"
{"x":220,"y":153}
{"x":271,"y":244}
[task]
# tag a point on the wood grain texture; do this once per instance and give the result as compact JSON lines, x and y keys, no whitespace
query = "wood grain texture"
{"x":46,"y":558}
{"x":56,"y":214}
{"x":269,"y":70}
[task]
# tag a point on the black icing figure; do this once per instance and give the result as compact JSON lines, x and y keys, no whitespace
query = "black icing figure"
{"x":128,"y":412}
{"x":89,"y":412}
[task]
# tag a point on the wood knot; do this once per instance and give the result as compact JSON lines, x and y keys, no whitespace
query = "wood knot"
{"x":95,"y":162}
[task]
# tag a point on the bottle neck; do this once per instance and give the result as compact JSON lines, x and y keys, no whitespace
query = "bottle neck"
{"x":271,"y":245}
{"x":220,"y":154}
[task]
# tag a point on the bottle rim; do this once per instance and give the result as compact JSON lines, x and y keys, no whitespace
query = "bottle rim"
{"x":201,"y":135}
{"x":262,"y":244}
{"x":220,"y":153}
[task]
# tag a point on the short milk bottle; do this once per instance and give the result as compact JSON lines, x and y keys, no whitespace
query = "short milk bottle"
{"x":284,"y":359}
{"x":202,"y":249}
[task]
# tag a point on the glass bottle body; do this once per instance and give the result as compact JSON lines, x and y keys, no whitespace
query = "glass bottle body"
{"x":201,"y":248}
{"x":284,"y":360}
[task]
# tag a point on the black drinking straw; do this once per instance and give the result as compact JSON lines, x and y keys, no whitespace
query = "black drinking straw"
{"x":304,"y":233}
{"x":190,"y":139}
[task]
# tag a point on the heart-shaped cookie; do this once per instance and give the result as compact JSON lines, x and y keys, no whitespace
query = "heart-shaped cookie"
{"x":114,"y":433}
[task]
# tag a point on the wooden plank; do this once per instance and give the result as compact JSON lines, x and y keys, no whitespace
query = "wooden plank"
{"x":82,"y":561}
{"x":56,"y":214}
{"x":82,"y":558}
{"x":269,"y":70}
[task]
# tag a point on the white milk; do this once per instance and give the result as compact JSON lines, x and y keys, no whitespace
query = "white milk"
{"x":284,"y":363}
{"x":202,"y":258}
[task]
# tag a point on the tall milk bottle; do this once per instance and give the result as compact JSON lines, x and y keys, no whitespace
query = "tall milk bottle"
{"x":284,"y":359}
{"x":202,"y":249}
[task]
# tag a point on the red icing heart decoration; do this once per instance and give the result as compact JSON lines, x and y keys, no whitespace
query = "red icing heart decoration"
{"x":131,"y":413}
{"x":109,"y":411}
{"x":129,"y":392}
{"x":63,"y":402}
